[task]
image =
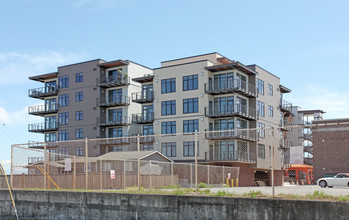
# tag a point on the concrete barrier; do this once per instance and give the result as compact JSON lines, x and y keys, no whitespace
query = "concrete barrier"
{"x":96,"y":205}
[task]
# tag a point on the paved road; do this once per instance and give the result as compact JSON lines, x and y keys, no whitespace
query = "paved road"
{"x":295,"y":190}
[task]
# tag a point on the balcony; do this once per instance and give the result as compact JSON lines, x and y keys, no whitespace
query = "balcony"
{"x":43,"y":127}
{"x":307,"y":135}
{"x":144,"y":138}
{"x":143,"y":97}
{"x":143,"y":118}
{"x":285,"y":125}
{"x":41,"y":110}
{"x":285,"y":144}
{"x":113,"y":121}
{"x":41,"y":145}
{"x":246,"y":135}
{"x":232,"y":156}
{"x":34,"y":160}
{"x":123,"y":140}
{"x":285,"y":106}
{"x":113,"y":101}
{"x":236,"y":85}
{"x":233,"y":110}
{"x":43,"y":92}
{"x":113,"y":81}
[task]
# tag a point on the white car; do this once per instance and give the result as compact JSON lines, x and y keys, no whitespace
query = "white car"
{"x":341,"y":179}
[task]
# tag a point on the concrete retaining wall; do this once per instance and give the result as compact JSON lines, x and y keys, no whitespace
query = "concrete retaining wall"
{"x":83,"y":205}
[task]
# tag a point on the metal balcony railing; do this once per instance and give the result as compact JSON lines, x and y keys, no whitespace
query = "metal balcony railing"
{"x":143,"y":118}
{"x":41,"y":145}
{"x":285,"y":105}
{"x":42,"y":109}
{"x":231,"y":134}
{"x":113,"y":81}
{"x":231,"y":110}
{"x":108,"y":140}
{"x":43,"y":127}
{"x":285,"y":144}
{"x":111,"y":101}
{"x":229,"y":86}
{"x":113,"y":121}
{"x":144,"y":138}
{"x":43,"y":92}
{"x":285,"y":125}
{"x":143,"y":97}
{"x":231,"y":156}
{"x":33,"y":160}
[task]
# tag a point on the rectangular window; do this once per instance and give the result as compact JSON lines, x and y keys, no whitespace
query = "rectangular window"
{"x":168,"y":149}
{"x":270,"y":89}
{"x":168,"y":85}
{"x":63,"y":100}
{"x":79,"y":115}
{"x":117,"y":149}
{"x":260,"y":86}
{"x":270,"y":111}
{"x":63,"y":118}
{"x":189,"y":148}
{"x":260,"y":108}
{"x":50,"y":137}
{"x":146,"y":147}
{"x":270,"y":151}
{"x":63,"y":81}
{"x":190,"y":105}
{"x":79,"y":133}
{"x":168,"y":107}
{"x":62,"y":152}
{"x":79,"y":96}
{"x":261,"y":151}
{"x":168,"y":127}
{"x":79,"y":151}
{"x":79,"y":77}
{"x":190,"y":126}
{"x":63,"y":135}
{"x":190,"y":82}
{"x":261,"y":129}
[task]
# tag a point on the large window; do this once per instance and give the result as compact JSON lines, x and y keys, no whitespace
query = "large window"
{"x":79,"y":133}
{"x":63,"y":135}
{"x":168,"y":149}
{"x":79,"y":96}
{"x":189,"y":148}
{"x":190,"y":105}
{"x":261,"y":151}
{"x":115,"y":132}
{"x":190,"y":126}
{"x":190,"y":82}
{"x":79,"y":115}
{"x":261,"y":129}
{"x":50,"y":137}
{"x":168,"y":107}
{"x":62,"y":152}
{"x":260,"y":86}
{"x":168,"y":127}
{"x":63,"y":81}
{"x":79,"y":151}
{"x":260,"y":108}
{"x":63,"y":118}
{"x":79,"y":77}
{"x":63,"y":100}
{"x":270,"y":89}
{"x":270,"y":111}
{"x":146,"y":147}
{"x":224,"y":124}
{"x":168,"y":85}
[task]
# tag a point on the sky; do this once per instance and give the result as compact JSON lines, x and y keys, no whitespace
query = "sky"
{"x":305,"y":43}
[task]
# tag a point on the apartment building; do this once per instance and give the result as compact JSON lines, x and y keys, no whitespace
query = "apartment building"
{"x":87,"y":100}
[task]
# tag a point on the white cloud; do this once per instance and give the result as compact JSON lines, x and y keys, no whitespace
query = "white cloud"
{"x":16,"y":67}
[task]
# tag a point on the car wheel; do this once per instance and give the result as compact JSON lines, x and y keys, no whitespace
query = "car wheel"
{"x":322,"y":184}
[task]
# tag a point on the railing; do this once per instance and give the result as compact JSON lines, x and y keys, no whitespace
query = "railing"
{"x":285,"y":144}
{"x":285,"y":105}
{"x":113,"y":120}
{"x":41,"y":145}
{"x":114,"y":140}
{"x":231,"y":110}
{"x":42,"y":127}
{"x":144,"y":138}
{"x":143,"y":118}
{"x":114,"y":101}
{"x":112,"y":81}
{"x":238,"y":156}
{"x":235,"y":85}
{"x":143,"y":97}
{"x":32,"y":160}
{"x":231,"y":134}
{"x":42,"y":109}
{"x":43,"y":91}
{"x":285,"y":125}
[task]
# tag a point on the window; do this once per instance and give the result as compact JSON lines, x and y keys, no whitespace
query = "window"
{"x":168,"y":85}
{"x":270,"y":151}
{"x":63,"y":135}
{"x":190,"y":126}
{"x":106,"y":166}
{"x":189,"y":148}
{"x":50,"y":137}
{"x":261,"y":129}
{"x":62,"y":152}
{"x":168,"y":107}
{"x":63,"y":118}
{"x":168,"y":149}
{"x":63,"y":100}
{"x":117,"y":149}
{"x":79,"y":77}
{"x":269,"y":130}
{"x":115,"y":132}
{"x":190,"y":105}
{"x":79,"y":115}
{"x":260,"y":108}
{"x":270,"y":89}
{"x":270,"y":111}
{"x":78,"y":151}
{"x":79,"y":133}
{"x":260,"y":86}
{"x":261,"y":151}
{"x":79,"y":96}
{"x":63,"y":81}
{"x":190,"y":82}
{"x":168,"y":127}
{"x":146,"y":147}
{"x":224,"y":124}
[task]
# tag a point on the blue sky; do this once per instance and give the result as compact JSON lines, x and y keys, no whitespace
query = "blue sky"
{"x":305,"y":43}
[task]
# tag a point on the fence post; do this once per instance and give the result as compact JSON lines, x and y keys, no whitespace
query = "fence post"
{"x":196,"y":161}
{"x":272,"y":162}
{"x":172,"y":173}
{"x":191,"y":175}
{"x":149,"y":174}
{"x":208,"y":174}
{"x":12,"y":186}
{"x":139,"y":162}
{"x":223,"y":175}
{"x":74,"y":177}
{"x":101,"y":174}
{"x":45,"y":177}
{"x":124,"y":173}
{"x":86,"y":163}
